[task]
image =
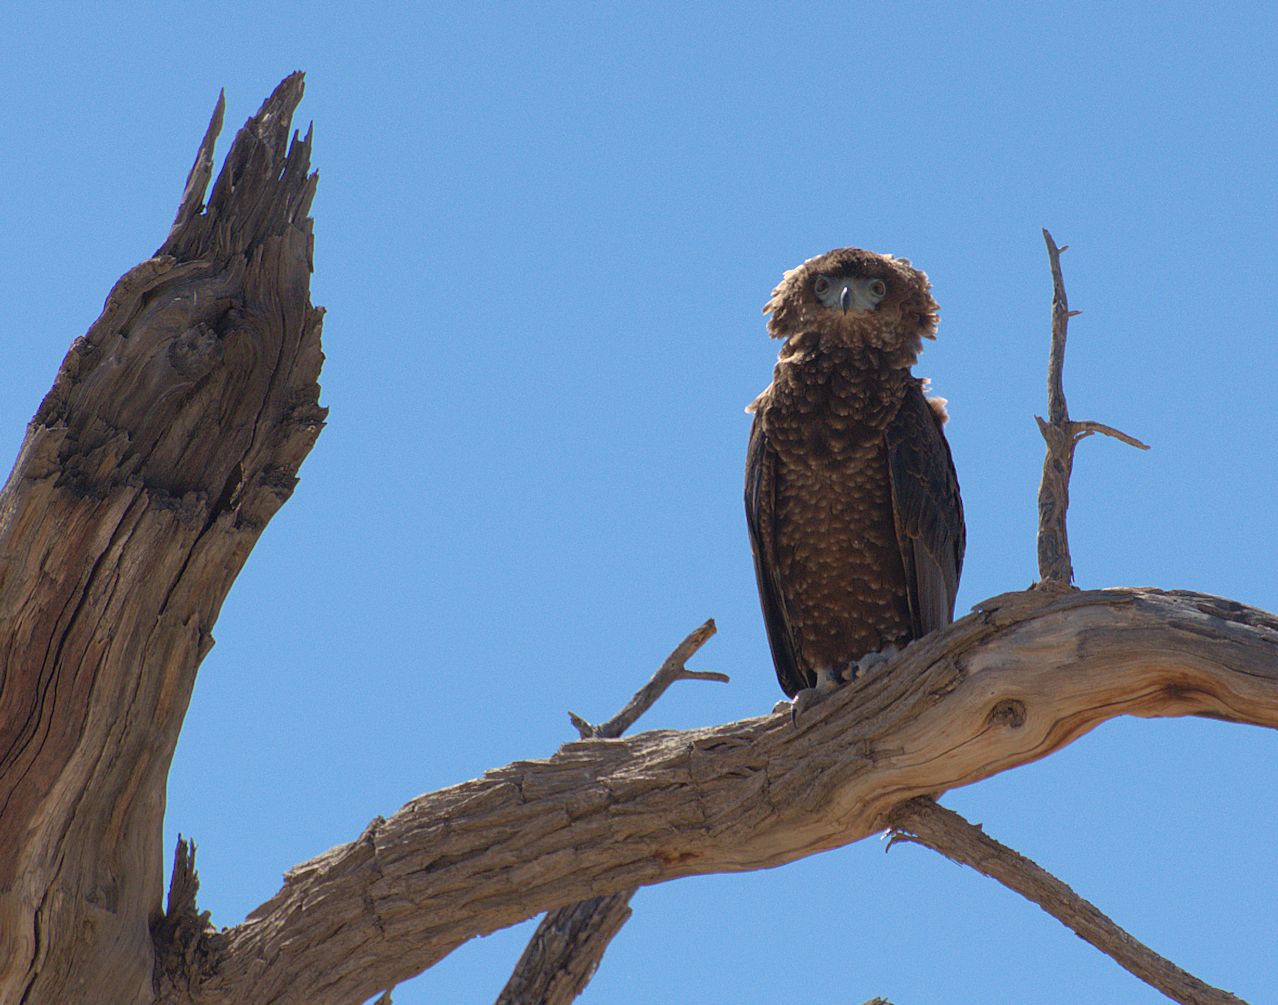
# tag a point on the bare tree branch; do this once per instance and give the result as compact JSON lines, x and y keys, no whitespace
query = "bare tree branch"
{"x":671,"y":670}
{"x":173,"y":433}
{"x":565,"y":950}
{"x":922,"y":821}
{"x":1055,"y":569}
{"x":1023,"y":676}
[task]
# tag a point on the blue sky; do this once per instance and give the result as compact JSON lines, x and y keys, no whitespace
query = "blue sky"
{"x":543,"y":236}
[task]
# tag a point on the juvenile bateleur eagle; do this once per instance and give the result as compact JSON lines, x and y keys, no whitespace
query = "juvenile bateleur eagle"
{"x":851,"y":498}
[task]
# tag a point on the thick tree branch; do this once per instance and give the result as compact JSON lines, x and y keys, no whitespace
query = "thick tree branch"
{"x":922,"y":821}
{"x":1023,"y":676}
{"x":1055,"y":569}
{"x":569,"y":942}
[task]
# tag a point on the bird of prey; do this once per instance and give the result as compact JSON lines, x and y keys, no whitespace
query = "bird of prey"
{"x":851,"y":497}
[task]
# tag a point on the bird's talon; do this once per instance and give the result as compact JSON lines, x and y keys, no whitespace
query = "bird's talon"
{"x":804,"y":700}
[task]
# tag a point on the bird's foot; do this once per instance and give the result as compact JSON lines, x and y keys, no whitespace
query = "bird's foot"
{"x":869,"y":661}
{"x":828,"y":681}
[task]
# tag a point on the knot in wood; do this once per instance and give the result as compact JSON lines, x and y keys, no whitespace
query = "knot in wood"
{"x":196,"y":351}
{"x":1008,"y":712}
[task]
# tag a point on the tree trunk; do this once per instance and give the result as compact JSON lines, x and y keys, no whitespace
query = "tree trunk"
{"x":172,"y":434}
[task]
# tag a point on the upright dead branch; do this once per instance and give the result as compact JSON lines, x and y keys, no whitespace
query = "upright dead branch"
{"x":922,"y":821}
{"x":172,"y":434}
{"x":1055,"y":570}
{"x":565,"y":950}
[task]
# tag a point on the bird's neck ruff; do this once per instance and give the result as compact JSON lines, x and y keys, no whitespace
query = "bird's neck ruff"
{"x":879,"y":355}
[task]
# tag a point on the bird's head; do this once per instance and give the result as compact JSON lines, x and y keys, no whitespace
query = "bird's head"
{"x":856,"y":297}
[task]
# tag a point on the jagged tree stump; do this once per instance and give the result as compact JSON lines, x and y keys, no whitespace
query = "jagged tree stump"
{"x":172,"y":434}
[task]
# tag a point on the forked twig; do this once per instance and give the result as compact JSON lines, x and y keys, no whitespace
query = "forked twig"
{"x":671,"y":670}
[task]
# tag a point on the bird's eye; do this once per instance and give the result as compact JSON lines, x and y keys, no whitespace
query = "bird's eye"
{"x":821,"y":286}
{"x":878,"y":288}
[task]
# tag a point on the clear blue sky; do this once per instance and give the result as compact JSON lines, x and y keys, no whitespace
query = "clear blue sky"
{"x":543,"y":236}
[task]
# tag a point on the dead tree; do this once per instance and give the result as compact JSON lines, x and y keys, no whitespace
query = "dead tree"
{"x":174,"y":432}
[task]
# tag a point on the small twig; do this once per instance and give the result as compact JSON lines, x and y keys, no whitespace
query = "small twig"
{"x":671,"y":670}
{"x":565,"y":950}
{"x":1084,"y":427}
{"x":1055,"y":569}
{"x":923,"y":821}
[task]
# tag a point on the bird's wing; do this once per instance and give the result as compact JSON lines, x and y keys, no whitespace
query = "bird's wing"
{"x":928,"y":510}
{"x":760,"y":496}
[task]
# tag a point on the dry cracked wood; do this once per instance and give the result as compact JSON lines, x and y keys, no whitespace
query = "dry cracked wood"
{"x":171,"y":436}
{"x":1021,"y":677}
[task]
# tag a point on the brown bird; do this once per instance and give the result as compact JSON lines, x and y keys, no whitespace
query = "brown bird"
{"x":851,"y":497}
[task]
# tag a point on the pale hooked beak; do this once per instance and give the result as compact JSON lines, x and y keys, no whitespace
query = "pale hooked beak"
{"x":845,"y":297}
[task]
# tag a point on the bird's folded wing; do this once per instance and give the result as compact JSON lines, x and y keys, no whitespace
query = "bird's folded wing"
{"x":928,"y":510}
{"x":760,"y":497}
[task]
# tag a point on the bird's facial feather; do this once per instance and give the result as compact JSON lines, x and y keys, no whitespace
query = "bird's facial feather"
{"x":856,"y":297}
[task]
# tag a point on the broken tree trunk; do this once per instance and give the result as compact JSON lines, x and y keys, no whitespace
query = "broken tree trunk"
{"x":172,"y":434}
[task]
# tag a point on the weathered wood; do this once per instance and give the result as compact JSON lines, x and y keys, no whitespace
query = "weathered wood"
{"x":1023,"y":676}
{"x":673,"y":669}
{"x":172,"y":434}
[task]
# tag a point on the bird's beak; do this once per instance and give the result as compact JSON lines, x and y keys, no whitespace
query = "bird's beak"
{"x":845,"y":297}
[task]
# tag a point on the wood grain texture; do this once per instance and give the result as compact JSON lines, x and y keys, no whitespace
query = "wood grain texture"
{"x":1021,"y":677}
{"x":172,"y":434}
